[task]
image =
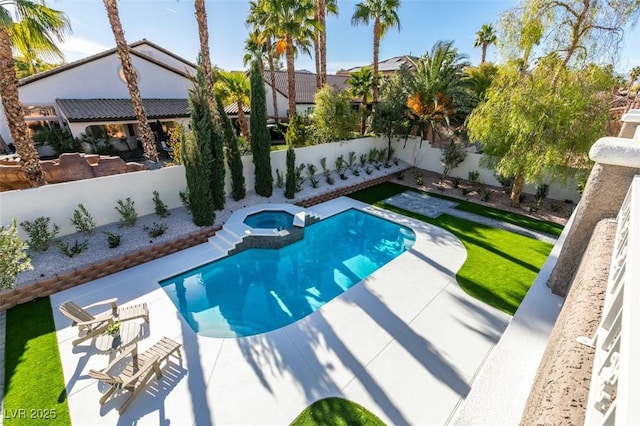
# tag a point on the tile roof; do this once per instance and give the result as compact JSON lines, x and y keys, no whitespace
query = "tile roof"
{"x":232,"y":109}
{"x":85,"y":110}
{"x":386,"y":66}
{"x":305,"y":84}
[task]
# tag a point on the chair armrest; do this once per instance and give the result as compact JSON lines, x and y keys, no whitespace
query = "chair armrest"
{"x":148,"y":366}
{"x":112,"y":302}
{"x":120,"y":357}
{"x":108,"y":320}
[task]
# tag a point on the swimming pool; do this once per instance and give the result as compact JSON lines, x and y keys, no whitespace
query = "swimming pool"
{"x":259,"y":290}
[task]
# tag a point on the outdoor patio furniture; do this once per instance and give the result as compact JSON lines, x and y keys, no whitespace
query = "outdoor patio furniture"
{"x":93,"y":325}
{"x":128,"y":333}
{"x":138,"y":371}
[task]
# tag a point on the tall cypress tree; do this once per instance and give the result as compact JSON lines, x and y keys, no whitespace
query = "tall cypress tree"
{"x":196,"y":157}
{"x":260,"y":139}
{"x":216,"y":144}
{"x":234,"y":159}
{"x":290,"y":188}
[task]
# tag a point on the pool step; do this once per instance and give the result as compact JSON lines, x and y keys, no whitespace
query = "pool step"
{"x":225,"y":240}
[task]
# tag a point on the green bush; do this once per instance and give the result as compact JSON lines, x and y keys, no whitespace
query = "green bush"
{"x":72,"y":250}
{"x":127,"y":211}
{"x":155,"y":230}
{"x":160,"y":208}
{"x":311,"y":172}
{"x":40,"y":236}
{"x":333,"y":118}
{"x":452,"y":155}
{"x":83,"y":221}
{"x":13,"y":258}
{"x":60,"y":140}
{"x":296,"y":133}
{"x":112,"y":239}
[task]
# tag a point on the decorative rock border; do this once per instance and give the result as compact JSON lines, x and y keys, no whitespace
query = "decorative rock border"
{"x":61,"y":282}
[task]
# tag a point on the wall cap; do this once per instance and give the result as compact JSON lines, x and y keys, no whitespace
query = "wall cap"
{"x":616,"y":152}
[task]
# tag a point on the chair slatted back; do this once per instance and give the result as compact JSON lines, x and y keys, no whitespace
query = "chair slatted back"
{"x":107,"y":378}
{"x":75,"y":313}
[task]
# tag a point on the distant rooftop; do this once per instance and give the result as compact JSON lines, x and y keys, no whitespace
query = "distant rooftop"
{"x":387,"y":66}
{"x":305,"y":84}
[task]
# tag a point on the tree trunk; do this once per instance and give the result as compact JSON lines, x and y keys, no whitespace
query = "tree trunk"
{"x":484,"y":52}
{"x":291,"y":77}
{"x":203,"y":35}
{"x":316,"y":46}
{"x":322,"y":15}
{"x":363,"y":117}
{"x":242,"y":120}
{"x":272,"y":77}
{"x":376,"y":51}
{"x":518,"y":184}
{"x":146,"y":136}
{"x":29,"y":161}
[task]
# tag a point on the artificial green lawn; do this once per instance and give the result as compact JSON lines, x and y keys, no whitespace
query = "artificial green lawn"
{"x":33,"y":372}
{"x":336,"y":412}
{"x":388,"y":189}
{"x":500,"y":265}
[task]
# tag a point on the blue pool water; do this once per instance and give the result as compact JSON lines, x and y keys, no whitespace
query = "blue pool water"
{"x":259,"y":290}
{"x":270,"y":220}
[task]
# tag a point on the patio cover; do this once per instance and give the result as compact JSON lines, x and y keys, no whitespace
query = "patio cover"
{"x":88,"y":110}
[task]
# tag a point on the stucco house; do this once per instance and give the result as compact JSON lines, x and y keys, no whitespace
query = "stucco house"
{"x":92,"y":92}
{"x":386,"y":67}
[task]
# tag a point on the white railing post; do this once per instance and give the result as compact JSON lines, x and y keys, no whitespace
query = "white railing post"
{"x":615,"y":382}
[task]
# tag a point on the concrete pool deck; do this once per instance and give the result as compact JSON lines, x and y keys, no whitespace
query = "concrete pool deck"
{"x":406,"y":343}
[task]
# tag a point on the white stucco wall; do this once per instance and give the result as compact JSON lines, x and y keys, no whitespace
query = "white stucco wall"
{"x":100,"y":79}
{"x":428,"y":158}
{"x":99,"y":195}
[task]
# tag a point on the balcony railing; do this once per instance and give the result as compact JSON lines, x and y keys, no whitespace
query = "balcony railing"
{"x":614,"y":393}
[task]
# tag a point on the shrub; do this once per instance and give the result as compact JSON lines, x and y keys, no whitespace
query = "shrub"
{"x":340,"y":167}
{"x":160,"y":208}
{"x":555,"y":207}
{"x":83,"y":221}
{"x":112,"y":239}
{"x":455,"y":181}
{"x":351,"y":161}
{"x":290,"y":189}
{"x":368,"y":170}
{"x":74,"y":250}
{"x":465,"y":191}
{"x":485,"y":195}
{"x":542,"y":190}
{"x":505,"y":181}
{"x":298,"y":177}
{"x":363,"y":160}
{"x":382,"y":155}
{"x":234,"y":157}
{"x":474,"y":177}
{"x":155,"y":230}
{"x":327,"y":177}
{"x":279,"y":179}
{"x":60,"y":140}
{"x":311,"y":172}
{"x":184,"y":198}
{"x":418,"y":178}
{"x":323,"y":164}
{"x":128,"y":214}
{"x":373,"y":155}
{"x":452,"y":155}
{"x":13,"y":258}
{"x":333,"y":118}
{"x":296,"y":132}
{"x":40,"y":236}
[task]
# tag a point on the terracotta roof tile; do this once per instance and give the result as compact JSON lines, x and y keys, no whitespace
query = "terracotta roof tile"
{"x":84,"y":110}
{"x":305,"y":84}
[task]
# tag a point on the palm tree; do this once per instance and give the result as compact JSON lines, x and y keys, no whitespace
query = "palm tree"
{"x":485,"y":37}
{"x":261,"y":40}
{"x":436,"y":89}
{"x":479,"y":79}
{"x":42,"y":23}
{"x":320,"y":38}
{"x":384,"y":14}
{"x":146,"y":136}
{"x":292,"y":25}
{"x":360,"y":85}
{"x":205,"y":57}
{"x":32,"y":47}
{"x":235,"y":87}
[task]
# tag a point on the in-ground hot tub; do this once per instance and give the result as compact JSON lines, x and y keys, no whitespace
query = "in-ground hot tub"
{"x":270,"y":219}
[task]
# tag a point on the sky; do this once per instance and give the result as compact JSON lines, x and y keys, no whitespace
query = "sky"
{"x":172,"y":25}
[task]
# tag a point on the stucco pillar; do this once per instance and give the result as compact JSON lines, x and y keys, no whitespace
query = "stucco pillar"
{"x":617,"y":161}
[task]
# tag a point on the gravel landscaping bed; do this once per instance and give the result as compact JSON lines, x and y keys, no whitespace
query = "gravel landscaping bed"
{"x":51,"y":262}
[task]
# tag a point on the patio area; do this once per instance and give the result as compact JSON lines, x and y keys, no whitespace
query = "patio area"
{"x":406,"y":343}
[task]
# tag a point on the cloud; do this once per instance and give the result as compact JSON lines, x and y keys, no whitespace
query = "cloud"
{"x":77,"y":47}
